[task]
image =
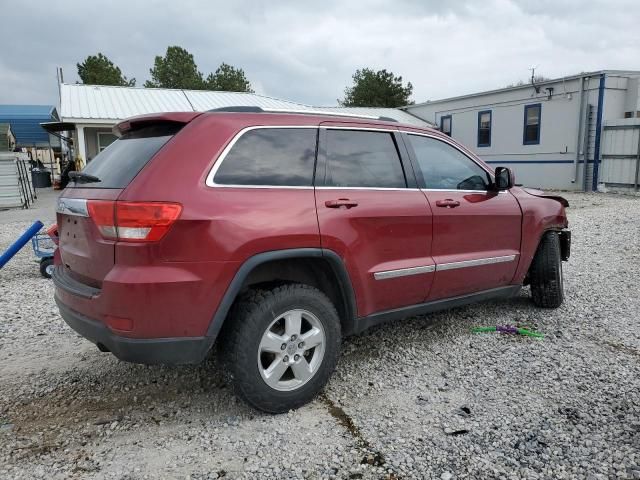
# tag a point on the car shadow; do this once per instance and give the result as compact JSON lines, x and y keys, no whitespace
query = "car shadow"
{"x":464,"y":316}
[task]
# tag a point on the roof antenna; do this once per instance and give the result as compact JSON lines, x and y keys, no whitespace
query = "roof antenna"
{"x":533,"y":78}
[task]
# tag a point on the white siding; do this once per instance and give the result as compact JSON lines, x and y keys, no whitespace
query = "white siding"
{"x":620,"y":150}
{"x":551,"y":163}
{"x":632,"y":101}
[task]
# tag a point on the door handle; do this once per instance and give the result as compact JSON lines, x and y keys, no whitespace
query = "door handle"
{"x":448,"y":203}
{"x":341,"y":202}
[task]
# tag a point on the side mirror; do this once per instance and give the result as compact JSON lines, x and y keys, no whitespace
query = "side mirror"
{"x":505,"y":179}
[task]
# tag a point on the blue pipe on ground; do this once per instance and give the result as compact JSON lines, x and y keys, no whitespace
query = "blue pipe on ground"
{"x":21,"y":242}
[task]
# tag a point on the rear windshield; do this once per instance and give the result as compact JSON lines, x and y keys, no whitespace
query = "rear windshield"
{"x":121,"y":161}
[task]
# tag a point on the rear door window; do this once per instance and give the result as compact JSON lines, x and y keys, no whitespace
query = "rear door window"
{"x":359,"y":158}
{"x":444,"y":167}
{"x":270,"y":157}
{"x":121,"y":161}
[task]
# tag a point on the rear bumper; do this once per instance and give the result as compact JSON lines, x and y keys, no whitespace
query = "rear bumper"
{"x":167,"y":300}
{"x":169,"y":351}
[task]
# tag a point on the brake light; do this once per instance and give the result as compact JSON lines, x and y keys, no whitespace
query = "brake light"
{"x":52,"y":231}
{"x":133,"y":221}
{"x":103,"y":215}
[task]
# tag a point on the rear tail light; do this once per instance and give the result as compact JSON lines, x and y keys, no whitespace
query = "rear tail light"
{"x":52,"y":231}
{"x":133,"y":221}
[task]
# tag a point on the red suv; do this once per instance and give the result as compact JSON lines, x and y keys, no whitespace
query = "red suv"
{"x":278,"y":234}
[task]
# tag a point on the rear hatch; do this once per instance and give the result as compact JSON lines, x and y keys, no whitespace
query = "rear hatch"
{"x":87,"y":235}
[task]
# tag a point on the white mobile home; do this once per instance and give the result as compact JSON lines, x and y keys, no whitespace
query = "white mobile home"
{"x":547,"y":130}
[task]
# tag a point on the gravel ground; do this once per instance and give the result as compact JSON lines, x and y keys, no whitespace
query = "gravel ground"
{"x":422,"y":398}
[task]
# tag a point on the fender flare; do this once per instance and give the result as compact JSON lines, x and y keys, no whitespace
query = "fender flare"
{"x":337,"y":265}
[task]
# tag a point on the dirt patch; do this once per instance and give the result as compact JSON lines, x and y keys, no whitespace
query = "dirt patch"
{"x":371,"y":456}
{"x":618,"y":347}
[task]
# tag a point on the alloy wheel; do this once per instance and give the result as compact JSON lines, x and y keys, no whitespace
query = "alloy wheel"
{"x":291,"y":350}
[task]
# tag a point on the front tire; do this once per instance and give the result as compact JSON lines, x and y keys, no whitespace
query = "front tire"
{"x":547,"y":289}
{"x":281,"y":346}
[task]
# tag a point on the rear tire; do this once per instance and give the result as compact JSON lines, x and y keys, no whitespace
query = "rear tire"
{"x":281,"y":346}
{"x":547,"y":289}
{"x":46,"y":267}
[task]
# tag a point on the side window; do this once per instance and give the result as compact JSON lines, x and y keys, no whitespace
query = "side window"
{"x":531,"y":132}
{"x":444,"y":167}
{"x":270,"y":156}
{"x":356,"y":158}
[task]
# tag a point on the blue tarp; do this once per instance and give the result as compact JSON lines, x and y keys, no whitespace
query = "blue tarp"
{"x":25,"y":123}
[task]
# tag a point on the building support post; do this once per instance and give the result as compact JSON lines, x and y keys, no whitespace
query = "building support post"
{"x":53,"y":173}
{"x":579,"y":132}
{"x":596,"y":150}
{"x":585,"y":149}
{"x":81,"y":150}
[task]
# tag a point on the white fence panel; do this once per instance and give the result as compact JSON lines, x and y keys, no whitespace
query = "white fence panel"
{"x":620,"y":151}
{"x":14,"y":190}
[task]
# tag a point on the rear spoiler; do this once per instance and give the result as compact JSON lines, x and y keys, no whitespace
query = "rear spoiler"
{"x":134,"y":123}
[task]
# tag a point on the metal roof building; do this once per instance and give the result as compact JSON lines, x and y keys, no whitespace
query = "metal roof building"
{"x":96,"y":103}
{"x":94,"y":109}
{"x":25,"y":123}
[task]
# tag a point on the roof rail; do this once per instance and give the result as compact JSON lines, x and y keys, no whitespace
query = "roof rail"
{"x":239,"y":108}
{"x":248,"y":109}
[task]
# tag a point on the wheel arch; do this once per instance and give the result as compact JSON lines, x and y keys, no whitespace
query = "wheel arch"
{"x":292,"y":265}
{"x":540,"y":215}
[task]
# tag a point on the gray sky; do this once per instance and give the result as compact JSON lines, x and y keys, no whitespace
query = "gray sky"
{"x":307,"y":51}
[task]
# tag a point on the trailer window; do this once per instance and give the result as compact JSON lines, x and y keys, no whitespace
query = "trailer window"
{"x":445,"y":124}
{"x":532,"y":124}
{"x":484,"y":128}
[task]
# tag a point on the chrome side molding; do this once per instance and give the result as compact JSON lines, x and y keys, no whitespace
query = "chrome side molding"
{"x":403,"y":272}
{"x":475,"y":263}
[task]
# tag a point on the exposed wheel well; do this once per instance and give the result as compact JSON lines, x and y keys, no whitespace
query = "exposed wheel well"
{"x":316,"y":272}
{"x":565,"y":249}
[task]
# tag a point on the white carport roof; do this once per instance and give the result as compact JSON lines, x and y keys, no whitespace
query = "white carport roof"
{"x":107,"y":104}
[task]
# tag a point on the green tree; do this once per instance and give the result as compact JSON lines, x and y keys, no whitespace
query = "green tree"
{"x":99,"y":70}
{"x":229,"y":79}
{"x":376,"y":89}
{"x":177,"y":69}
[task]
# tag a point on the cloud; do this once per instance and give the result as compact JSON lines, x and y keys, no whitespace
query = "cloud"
{"x":307,"y":52}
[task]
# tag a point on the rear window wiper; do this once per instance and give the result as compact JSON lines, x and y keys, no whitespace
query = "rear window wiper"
{"x":81,"y":177}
